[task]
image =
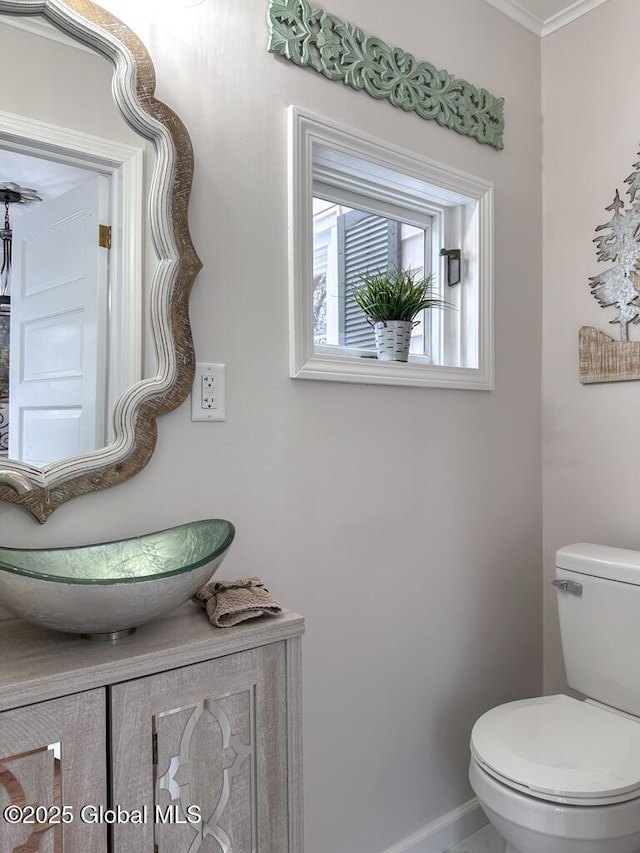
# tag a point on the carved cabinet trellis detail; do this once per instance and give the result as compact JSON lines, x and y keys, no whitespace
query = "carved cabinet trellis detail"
{"x":197,"y":757}
{"x":209,"y":723}
{"x":603,"y":359}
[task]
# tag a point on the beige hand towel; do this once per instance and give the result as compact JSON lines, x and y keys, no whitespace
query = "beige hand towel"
{"x":230,"y":602}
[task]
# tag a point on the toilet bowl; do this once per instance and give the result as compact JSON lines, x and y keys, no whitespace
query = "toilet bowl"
{"x":531,"y":825}
{"x":557,"y":774}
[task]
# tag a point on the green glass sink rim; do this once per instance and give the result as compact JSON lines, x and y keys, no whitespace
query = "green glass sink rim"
{"x":208,"y":558}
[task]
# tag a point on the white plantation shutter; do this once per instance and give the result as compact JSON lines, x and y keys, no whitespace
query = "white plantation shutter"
{"x":366,"y":243}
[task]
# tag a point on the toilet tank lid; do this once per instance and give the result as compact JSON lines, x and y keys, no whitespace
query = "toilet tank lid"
{"x":603,"y":561}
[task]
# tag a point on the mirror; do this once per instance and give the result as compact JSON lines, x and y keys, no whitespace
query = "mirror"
{"x":97,"y":339}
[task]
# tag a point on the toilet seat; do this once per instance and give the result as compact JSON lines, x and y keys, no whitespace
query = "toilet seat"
{"x":559,"y":749}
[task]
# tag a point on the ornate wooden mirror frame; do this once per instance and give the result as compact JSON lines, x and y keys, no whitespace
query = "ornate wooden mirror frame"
{"x":41,"y":491}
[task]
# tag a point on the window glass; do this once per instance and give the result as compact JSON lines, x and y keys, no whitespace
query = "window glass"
{"x":348,"y":243}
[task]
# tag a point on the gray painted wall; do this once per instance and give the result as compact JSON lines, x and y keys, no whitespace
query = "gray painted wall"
{"x":592,"y":131}
{"x":421,"y":613}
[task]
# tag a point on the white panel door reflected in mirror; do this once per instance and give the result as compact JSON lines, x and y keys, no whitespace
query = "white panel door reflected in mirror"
{"x":58,"y":310}
{"x":67,"y":364}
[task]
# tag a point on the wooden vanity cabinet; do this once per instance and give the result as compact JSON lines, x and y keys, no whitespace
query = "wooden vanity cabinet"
{"x":33,"y":774}
{"x":190,"y":735}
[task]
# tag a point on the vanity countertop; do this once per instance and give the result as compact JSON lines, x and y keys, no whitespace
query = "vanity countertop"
{"x":38,"y":664}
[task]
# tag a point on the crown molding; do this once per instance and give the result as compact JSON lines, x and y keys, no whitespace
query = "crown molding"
{"x":544,"y":27}
{"x":571,"y":13}
{"x":518,"y":13}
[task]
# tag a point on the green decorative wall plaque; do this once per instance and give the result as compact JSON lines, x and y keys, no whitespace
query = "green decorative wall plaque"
{"x":310,"y":36}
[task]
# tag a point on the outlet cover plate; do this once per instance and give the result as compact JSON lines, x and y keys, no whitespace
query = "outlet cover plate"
{"x":208,"y":392}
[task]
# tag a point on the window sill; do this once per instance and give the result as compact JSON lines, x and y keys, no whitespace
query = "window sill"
{"x":416,"y":372}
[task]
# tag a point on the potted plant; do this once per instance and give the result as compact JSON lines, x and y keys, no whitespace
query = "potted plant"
{"x":391,"y":301}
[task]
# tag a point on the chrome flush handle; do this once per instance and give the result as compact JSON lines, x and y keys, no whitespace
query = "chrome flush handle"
{"x":573,"y":587}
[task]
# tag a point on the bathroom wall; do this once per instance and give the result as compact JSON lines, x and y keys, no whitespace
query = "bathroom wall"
{"x":36,"y":91}
{"x":591,"y":138}
{"x":405,"y":524}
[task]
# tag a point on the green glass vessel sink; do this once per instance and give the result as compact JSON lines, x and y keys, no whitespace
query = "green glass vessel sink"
{"x":107,"y":590}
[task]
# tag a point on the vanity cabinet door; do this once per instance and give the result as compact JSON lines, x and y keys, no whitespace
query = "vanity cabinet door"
{"x":53,"y":755}
{"x":202,"y":752}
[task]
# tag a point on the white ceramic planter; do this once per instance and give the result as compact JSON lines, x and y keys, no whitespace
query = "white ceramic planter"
{"x":393,"y":338}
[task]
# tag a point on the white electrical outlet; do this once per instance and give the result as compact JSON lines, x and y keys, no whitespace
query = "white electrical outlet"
{"x":208,"y":393}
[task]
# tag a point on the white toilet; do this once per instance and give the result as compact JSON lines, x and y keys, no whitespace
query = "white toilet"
{"x":562,"y":775}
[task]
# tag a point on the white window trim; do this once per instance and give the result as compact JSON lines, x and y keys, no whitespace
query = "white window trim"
{"x":307,"y":130}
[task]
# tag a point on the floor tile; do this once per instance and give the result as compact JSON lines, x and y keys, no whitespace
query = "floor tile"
{"x":486,"y":840}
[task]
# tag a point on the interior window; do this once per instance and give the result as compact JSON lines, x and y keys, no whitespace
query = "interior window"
{"x":358,"y":207}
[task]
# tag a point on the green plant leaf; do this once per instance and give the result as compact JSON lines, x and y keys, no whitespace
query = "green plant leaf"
{"x":396,"y":294}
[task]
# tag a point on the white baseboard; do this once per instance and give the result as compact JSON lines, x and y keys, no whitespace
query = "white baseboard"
{"x":445,"y":831}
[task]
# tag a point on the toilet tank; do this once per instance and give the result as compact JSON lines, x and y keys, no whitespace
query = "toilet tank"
{"x":599,"y":607}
